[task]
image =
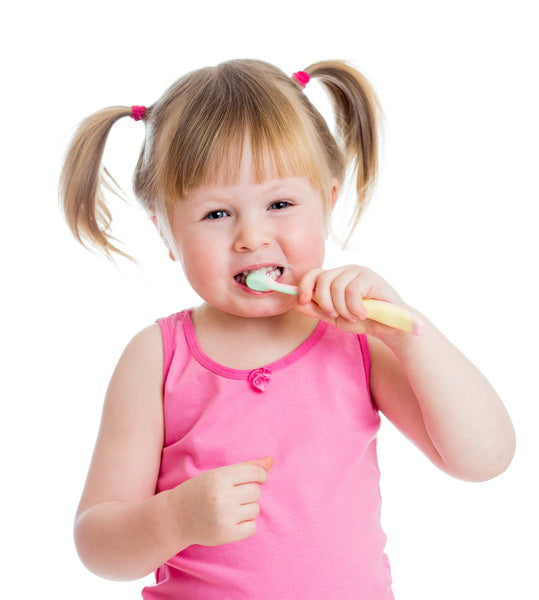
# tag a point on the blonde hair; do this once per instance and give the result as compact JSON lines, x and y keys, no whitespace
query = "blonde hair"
{"x":196,"y":131}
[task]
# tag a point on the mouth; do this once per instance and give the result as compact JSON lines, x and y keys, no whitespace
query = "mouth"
{"x":273,"y":271}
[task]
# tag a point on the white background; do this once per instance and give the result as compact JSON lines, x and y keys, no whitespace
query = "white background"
{"x":452,"y":226}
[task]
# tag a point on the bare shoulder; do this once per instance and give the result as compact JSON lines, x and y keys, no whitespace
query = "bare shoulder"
{"x":126,"y":459}
{"x":138,"y":375}
{"x":147,"y":342}
{"x":146,"y":347}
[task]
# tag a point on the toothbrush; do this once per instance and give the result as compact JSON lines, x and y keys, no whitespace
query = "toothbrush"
{"x":377,"y":310}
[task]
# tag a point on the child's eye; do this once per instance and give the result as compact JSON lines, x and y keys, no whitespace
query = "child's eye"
{"x":216,"y":214}
{"x":280,"y":204}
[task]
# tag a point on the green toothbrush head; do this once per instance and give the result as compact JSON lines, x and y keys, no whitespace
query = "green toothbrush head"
{"x":258,"y":281}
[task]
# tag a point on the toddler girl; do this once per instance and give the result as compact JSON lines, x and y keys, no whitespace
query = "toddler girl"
{"x":237,"y":451}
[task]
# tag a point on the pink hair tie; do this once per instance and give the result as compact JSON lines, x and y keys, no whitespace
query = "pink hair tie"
{"x":137,"y":112}
{"x":302,"y":78}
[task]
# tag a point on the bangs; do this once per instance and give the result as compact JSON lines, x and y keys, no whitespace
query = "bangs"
{"x":235,"y":110}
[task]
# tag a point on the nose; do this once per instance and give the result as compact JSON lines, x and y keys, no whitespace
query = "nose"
{"x":251,"y":235}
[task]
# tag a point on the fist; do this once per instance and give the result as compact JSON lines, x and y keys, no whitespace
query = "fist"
{"x":220,"y":506}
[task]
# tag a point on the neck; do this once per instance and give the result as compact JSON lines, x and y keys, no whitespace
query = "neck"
{"x":225,"y":337}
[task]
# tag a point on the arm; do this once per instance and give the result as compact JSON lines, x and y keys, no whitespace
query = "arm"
{"x":122,"y":529}
{"x":442,"y":402}
{"x":423,"y":384}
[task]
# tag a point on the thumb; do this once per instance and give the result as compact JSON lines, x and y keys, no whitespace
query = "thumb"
{"x":266,"y":462}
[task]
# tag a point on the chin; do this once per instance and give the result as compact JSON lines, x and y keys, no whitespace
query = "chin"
{"x":259,"y":310}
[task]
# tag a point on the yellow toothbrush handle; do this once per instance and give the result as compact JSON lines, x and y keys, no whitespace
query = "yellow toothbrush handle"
{"x":392,"y":315}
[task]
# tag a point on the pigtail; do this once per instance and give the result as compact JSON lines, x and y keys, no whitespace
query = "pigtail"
{"x":83,"y":178}
{"x":357,"y":113}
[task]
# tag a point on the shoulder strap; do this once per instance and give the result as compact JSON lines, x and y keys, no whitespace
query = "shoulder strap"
{"x":365,"y":351}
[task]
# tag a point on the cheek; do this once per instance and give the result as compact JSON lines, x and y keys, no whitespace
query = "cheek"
{"x":307,"y":249}
{"x":199,"y":264}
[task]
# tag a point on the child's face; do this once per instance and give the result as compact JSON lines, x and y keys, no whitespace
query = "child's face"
{"x":222,"y":231}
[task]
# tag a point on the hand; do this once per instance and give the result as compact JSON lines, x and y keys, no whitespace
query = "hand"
{"x":337,"y":295}
{"x":219,"y":506}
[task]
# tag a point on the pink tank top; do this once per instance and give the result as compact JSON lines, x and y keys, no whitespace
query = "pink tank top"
{"x":318,"y":533}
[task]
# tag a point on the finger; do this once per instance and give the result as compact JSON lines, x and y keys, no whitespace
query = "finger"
{"x":354,"y":295}
{"x":322,"y":289}
{"x":347,"y":297}
{"x":245,"y":530}
{"x":266,"y":462}
{"x":323,"y":297}
{"x":247,"y":493}
{"x":248,"y":512}
{"x":307,"y":284}
{"x":314,"y":311}
{"x":255,"y":471}
{"x":329,"y":281}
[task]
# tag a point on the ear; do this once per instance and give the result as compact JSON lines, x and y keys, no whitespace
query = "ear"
{"x":154,"y":221}
{"x":335,"y":190}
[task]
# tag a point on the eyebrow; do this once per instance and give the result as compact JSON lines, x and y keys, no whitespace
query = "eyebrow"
{"x":278,"y":186}
{"x":287,"y":187}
